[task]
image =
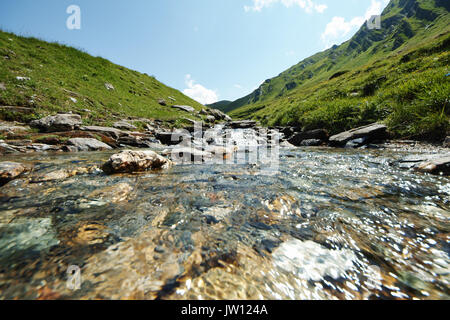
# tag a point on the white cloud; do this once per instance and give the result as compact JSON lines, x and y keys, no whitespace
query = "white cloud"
{"x":198,"y":92}
{"x":237,"y":86}
{"x":308,"y":5}
{"x":338,"y":28}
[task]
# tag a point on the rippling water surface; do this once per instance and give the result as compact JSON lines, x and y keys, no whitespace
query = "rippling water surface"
{"x":331,"y":224}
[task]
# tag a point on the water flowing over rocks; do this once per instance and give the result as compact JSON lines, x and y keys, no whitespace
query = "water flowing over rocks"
{"x":129,"y":161}
{"x":58,"y":123}
{"x":312,"y":138}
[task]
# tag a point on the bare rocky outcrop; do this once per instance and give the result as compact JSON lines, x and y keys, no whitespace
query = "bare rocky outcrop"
{"x":129,"y":161}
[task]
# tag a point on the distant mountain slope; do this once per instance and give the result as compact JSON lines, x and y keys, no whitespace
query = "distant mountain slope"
{"x":54,"y":77}
{"x":395,"y":74}
{"x":220,"y":105}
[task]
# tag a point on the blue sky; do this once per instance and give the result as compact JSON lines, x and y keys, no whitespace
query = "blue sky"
{"x":209,"y":49}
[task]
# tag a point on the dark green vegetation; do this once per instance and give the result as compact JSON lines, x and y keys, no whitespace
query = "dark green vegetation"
{"x":58,"y":73}
{"x":397,"y":75}
{"x":221,"y":105}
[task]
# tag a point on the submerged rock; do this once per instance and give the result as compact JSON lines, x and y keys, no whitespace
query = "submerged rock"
{"x":88,"y":144}
{"x":311,"y":143}
{"x":57,"y":123}
{"x":10,"y":171}
{"x":371,"y":133}
{"x":129,"y":161}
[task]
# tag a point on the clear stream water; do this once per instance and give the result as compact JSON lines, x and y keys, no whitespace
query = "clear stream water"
{"x":330,"y":224}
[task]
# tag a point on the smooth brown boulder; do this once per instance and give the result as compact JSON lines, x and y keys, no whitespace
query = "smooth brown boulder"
{"x":9,"y":171}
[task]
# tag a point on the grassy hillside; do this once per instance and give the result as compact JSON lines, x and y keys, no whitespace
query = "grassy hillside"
{"x":221,"y":105}
{"x":396,"y":74}
{"x":58,"y":73}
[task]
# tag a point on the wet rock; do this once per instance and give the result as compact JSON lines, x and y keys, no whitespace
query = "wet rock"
{"x":110,"y":132}
{"x":10,"y":171}
{"x":286,"y":144}
{"x":371,"y":133}
{"x":184,"y":108}
{"x":57,"y":123}
{"x":298,"y":138}
{"x":129,"y":161}
{"x":171,"y":138}
{"x":137,"y":141}
{"x":7,"y":149}
{"x":311,"y":143}
{"x":90,"y":234}
{"x":244,"y":124}
{"x":88,"y":144}
{"x":116,"y":193}
{"x":222,"y":152}
{"x":356,"y":143}
{"x":12,"y":128}
{"x":435,"y":166}
{"x":447,"y":142}
{"x":52,"y":176}
{"x":124,"y":125}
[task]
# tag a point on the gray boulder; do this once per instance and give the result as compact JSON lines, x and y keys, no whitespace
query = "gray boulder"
{"x":435,"y":166}
{"x":370,"y":132}
{"x":88,"y":144}
{"x":57,"y":123}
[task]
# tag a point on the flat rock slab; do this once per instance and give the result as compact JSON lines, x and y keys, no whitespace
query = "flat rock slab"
{"x":10,"y":171}
{"x":124,"y":125}
{"x":371,"y":132}
{"x":57,"y":123}
{"x":110,"y":132}
{"x":435,"y":166}
{"x":184,"y":108}
{"x":88,"y":144}
{"x":129,"y":161}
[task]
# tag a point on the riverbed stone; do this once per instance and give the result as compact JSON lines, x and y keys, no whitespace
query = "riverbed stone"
{"x":88,"y":144}
{"x":129,"y":161}
{"x":318,"y":134}
{"x":311,"y":143}
{"x":244,"y":124}
{"x":10,"y":171}
{"x":372,"y":132}
{"x":57,"y":123}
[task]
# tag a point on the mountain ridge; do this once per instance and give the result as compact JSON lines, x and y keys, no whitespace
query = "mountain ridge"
{"x":314,"y":83}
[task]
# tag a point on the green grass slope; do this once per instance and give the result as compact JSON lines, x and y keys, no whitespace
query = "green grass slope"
{"x":397,"y":75}
{"x":58,"y":73}
{"x":220,"y":105}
